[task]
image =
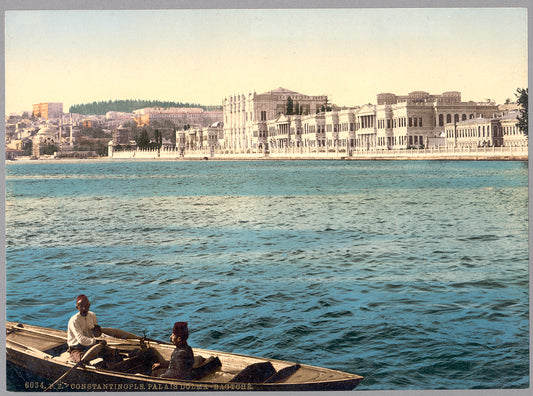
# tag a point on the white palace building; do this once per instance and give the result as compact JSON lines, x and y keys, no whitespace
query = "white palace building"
{"x":287,"y":124}
{"x":416,"y":120}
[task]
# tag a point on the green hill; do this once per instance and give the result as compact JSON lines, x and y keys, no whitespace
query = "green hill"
{"x":127,"y":106}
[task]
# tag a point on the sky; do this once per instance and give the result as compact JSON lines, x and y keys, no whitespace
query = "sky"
{"x":204,"y":55}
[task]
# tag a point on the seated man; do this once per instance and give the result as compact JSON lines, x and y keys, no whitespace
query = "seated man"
{"x":182,"y":359}
{"x":82,"y":332}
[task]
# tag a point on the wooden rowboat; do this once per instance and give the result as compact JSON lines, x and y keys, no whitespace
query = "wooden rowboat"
{"x":43,"y":352}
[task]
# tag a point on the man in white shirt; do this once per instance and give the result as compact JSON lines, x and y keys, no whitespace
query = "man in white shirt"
{"x":82,"y":329}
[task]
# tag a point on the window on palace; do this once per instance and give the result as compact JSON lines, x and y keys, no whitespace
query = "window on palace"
{"x":416,"y":122}
{"x":388,"y":123}
{"x":420,"y":122}
{"x":410,"y":122}
{"x":448,"y":118}
{"x":441,"y":120}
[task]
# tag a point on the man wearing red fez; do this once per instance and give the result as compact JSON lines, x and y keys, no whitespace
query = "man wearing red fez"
{"x":182,"y":358}
{"x":82,"y":329}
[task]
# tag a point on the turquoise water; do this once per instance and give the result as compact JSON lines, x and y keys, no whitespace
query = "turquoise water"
{"x":413,"y":274}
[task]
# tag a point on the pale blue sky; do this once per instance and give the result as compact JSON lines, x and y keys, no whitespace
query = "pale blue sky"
{"x":204,"y":55}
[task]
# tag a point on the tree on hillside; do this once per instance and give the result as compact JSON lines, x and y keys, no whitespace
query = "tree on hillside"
{"x":158,"y":138}
{"x":327,"y":105}
{"x":28,"y":147}
{"x":290,"y":106}
{"x":49,"y":149}
{"x":128,"y":106}
{"x":522,"y":101}
{"x":143,"y":140}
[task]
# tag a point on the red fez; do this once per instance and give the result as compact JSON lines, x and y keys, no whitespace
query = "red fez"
{"x":180,"y":329}
{"x":81,"y":297}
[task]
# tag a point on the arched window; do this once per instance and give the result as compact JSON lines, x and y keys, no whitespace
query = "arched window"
{"x":456,"y":118}
{"x":441,"y":120}
{"x":464,"y":117}
{"x":471,"y":116}
{"x":448,"y":118}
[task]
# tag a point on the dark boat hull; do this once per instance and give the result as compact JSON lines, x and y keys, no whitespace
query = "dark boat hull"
{"x":90,"y":378}
{"x":87,"y":381}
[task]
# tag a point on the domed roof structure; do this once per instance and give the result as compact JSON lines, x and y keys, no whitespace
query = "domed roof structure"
{"x":47,"y":131}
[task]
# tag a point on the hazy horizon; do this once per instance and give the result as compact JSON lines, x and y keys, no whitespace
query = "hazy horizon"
{"x":203,"y":55}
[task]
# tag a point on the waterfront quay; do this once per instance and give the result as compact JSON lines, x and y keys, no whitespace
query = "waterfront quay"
{"x":433,"y":153}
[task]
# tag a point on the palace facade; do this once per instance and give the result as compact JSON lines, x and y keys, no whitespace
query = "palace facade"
{"x":199,"y":138}
{"x":262,"y":122}
{"x":498,"y":131}
{"x":416,"y":120}
{"x":246,"y":116}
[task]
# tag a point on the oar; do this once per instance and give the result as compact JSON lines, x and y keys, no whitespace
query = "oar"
{"x":118,"y":333}
{"x":87,"y":356}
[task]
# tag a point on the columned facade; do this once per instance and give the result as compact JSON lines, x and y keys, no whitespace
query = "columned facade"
{"x":414,"y":121}
{"x":246,"y":115}
{"x":485,"y":132}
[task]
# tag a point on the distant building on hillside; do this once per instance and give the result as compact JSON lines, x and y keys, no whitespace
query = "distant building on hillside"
{"x":122,"y":135}
{"x":48,"y":110}
{"x":115,"y":119}
{"x":177,"y":116}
